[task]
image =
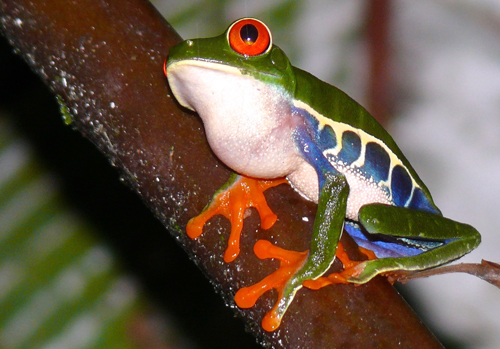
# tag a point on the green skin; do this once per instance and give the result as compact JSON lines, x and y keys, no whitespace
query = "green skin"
{"x":273,"y":69}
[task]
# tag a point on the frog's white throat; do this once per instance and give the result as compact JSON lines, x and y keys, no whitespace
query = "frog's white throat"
{"x":248,"y":123}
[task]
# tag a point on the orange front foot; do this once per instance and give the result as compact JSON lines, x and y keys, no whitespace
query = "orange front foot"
{"x":290,"y":263}
{"x":232,"y":201}
{"x":349,"y":271}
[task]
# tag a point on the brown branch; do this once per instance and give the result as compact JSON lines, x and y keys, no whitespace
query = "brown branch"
{"x":103,"y":59}
{"x":486,"y":270}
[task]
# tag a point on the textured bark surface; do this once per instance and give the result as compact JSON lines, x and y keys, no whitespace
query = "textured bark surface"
{"x":103,"y":59}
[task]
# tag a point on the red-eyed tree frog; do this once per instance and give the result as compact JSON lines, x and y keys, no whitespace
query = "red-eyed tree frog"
{"x":268,"y":120}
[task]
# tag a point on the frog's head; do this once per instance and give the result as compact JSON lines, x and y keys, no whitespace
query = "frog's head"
{"x":242,"y":87}
{"x":213,"y":66}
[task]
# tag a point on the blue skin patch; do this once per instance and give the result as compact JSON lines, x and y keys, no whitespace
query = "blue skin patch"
{"x":382,"y":249}
{"x":312,"y":122}
{"x":420,"y":202}
{"x":399,"y":247}
{"x":313,"y":155}
{"x":401,"y":186}
{"x":351,"y":147}
{"x":377,"y":162}
{"x":326,"y":138}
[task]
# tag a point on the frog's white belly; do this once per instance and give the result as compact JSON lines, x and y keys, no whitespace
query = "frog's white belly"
{"x":248,"y":123}
{"x":361,"y":190}
{"x":250,"y":126}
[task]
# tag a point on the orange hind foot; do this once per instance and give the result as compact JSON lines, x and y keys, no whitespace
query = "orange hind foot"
{"x":349,"y":271}
{"x":290,"y":263}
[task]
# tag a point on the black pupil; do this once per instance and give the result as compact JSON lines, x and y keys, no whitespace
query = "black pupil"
{"x":249,"y":33}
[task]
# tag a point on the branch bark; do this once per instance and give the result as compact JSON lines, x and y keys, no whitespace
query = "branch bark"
{"x":103,"y":60}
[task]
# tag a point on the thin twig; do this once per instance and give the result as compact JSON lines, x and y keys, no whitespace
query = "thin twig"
{"x":486,"y":270}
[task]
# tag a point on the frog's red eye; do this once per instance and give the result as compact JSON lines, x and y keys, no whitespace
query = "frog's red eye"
{"x":249,"y":37}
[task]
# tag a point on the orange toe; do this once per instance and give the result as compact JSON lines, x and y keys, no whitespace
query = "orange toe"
{"x":232,"y":203}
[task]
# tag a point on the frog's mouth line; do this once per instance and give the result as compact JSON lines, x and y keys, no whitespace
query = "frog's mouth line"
{"x":218,"y":65}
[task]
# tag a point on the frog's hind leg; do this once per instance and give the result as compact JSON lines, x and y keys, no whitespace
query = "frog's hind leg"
{"x":441,"y":240}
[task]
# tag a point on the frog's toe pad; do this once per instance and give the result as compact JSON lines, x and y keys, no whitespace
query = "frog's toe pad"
{"x":194,"y":228}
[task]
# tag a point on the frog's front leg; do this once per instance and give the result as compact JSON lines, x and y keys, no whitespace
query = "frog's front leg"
{"x":231,"y":201}
{"x":439,"y":239}
{"x":296,"y":267}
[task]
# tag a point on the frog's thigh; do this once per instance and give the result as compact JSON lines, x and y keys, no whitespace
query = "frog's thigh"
{"x":457,"y":239}
{"x":410,"y":223}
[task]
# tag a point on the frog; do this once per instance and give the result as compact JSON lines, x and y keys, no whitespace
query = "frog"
{"x":273,"y":123}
